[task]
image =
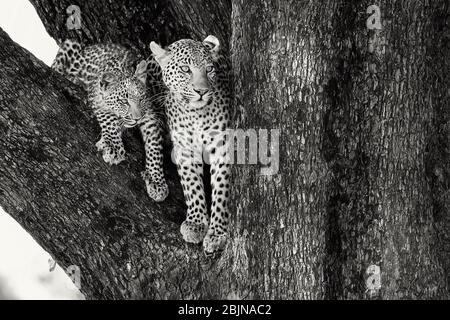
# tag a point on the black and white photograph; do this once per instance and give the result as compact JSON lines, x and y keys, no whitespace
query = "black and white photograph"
{"x":243,"y":152}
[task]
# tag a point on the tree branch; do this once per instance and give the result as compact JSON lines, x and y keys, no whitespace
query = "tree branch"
{"x":136,"y":23}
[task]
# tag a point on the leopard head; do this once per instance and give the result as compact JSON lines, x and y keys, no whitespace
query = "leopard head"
{"x":189,"y":69}
{"x":123,"y":94}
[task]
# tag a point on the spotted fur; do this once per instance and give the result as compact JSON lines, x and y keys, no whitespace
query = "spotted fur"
{"x":120,"y":99}
{"x":197,"y":107}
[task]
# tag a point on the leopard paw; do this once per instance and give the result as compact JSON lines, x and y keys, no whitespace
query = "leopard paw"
{"x":193,"y":232}
{"x":156,"y":191}
{"x":214,"y":244}
{"x":112,"y":154}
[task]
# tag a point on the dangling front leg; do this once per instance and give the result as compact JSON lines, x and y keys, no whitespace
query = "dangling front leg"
{"x":153,"y":175}
{"x":190,"y":169}
{"x":216,"y":237}
{"x":110,"y":143}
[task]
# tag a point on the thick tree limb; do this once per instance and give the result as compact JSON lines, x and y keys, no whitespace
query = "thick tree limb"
{"x":136,"y":23}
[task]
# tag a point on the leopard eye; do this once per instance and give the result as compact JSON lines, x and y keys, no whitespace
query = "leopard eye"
{"x":209,"y":69}
{"x":185,"y":69}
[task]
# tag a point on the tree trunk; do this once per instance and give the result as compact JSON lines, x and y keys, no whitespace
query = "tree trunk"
{"x":362,"y":193}
{"x":385,"y":96}
{"x":358,"y":209}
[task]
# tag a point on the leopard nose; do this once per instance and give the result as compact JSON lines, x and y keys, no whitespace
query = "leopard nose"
{"x":201,"y":92}
{"x":135,"y":109}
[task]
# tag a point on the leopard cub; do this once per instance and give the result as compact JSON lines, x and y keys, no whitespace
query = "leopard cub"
{"x":120,"y":99}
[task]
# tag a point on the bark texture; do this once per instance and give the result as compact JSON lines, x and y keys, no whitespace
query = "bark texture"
{"x":362,"y":193}
{"x":135,"y":23}
{"x":364,"y":154}
{"x":385,"y":95}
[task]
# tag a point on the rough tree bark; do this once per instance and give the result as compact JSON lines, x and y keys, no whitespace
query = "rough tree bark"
{"x":364,"y":158}
{"x":386,"y":93}
{"x":138,"y":22}
{"x":364,"y":154}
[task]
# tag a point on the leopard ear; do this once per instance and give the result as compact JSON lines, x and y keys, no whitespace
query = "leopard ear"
{"x":141,"y":71}
{"x":161,"y":55}
{"x":213,"y":45}
{"x":107,"y":79}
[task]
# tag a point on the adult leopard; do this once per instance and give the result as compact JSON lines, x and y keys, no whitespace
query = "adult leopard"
{"x":198,"y":111}
{"x":118,"y":94}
